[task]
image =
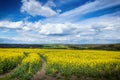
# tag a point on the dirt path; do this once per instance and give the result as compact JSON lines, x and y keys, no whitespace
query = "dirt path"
{"x":6,"y":74}
{"x":40,"y":75}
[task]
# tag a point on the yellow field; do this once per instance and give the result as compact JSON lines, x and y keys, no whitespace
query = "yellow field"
{"x":83,"y":63}
{"x":95,"y":64}
{"x":26,"y":63}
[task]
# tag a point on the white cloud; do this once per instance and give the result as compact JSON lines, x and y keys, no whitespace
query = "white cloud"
{"x":11,"y":25}
{"x":19,"y":39}
{"x":90,"y":7}
{"x":50,"y":3}
{"x":58,"y":28}
{"x":31,"y":26}
{"x":77,"y":13}
{"x":35,"y":8}
{"x":103,"y":29}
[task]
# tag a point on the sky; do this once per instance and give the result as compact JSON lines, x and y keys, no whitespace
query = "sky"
{"x":59,"y":21}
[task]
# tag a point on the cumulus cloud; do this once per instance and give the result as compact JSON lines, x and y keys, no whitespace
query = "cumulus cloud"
{"x":11,"y":25}
{"x":27,"y":26}
{"x":58,"y":29}
{"x":50,"y":3}
{"x":20,"y":25}
{"x":16,"y":39}
{"x":103,"y":29}
{"x":35,"y":8}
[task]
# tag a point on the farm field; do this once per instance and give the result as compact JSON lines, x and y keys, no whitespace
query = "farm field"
{"x":58,"y":64}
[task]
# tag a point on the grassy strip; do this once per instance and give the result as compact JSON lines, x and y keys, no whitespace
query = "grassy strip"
{"x":29,"y":66}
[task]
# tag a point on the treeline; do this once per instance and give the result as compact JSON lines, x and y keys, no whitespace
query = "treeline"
{"x":115,"y":47}
{"x":20,"y":46}
{"x":112,"y":47}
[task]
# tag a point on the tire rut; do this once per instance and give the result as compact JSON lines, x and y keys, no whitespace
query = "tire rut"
{"x":40,"y":75}
{"x":7,"y":74}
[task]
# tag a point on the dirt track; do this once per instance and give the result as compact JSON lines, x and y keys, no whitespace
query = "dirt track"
{"x":40,"y":75}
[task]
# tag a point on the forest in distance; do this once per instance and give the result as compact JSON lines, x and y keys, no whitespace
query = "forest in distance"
{"x":111,"y":47}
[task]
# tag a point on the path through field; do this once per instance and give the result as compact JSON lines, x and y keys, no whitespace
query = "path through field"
{"x":40,"y":75}
{"x":6,"y":74}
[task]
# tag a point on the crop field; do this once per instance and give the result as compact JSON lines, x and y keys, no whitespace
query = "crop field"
{"x":58,"y":64}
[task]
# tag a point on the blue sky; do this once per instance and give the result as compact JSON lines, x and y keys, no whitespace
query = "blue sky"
{"x":60,"y":21}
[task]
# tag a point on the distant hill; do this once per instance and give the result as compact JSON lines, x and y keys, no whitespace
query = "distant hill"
{"x":115,"y":47}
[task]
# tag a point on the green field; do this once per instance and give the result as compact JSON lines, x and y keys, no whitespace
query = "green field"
{"x":23,"y":64}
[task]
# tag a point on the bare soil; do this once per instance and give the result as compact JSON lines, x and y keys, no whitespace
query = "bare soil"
{"x":6,"y":74}
{"x":40,"y":75}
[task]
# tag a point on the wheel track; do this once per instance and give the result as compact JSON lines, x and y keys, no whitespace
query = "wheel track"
{"x":40,"y":75}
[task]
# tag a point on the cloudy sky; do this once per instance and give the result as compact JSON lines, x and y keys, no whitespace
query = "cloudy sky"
{"x":60,"y":21}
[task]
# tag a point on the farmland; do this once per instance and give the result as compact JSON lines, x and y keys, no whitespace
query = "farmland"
{"x":23,"y":64}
